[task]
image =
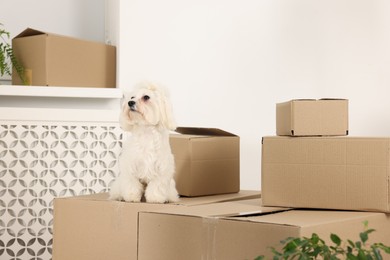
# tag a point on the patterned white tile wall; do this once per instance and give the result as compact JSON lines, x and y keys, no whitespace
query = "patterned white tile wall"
{"x":42,"y":161}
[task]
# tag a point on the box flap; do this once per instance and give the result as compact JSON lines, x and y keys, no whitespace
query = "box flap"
{"x":202,"y":131}
{"x":29,"y":32}
{"x":230,"y":209}
{"x":33,"y":32}
{"x":337,"y":99}
{"x":186,"y":136}
{"x":300,"y":99}
{"x":243,"y":194}
{"x":313,"y":99}
{"x":309,"y":218}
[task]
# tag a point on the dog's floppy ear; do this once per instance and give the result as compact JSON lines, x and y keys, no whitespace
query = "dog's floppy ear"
{"x":167,"y":119}
{"x":123,"y":120}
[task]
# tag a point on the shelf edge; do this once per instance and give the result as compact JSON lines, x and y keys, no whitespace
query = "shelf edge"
{"x":60,"y":92}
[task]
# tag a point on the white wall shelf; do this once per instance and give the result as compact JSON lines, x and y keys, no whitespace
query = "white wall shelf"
{"x":60,"y":92}
{"x":60,"y":97}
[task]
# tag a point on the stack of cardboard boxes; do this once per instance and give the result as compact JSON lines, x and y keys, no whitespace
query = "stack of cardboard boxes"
{"x":313,"y":164}
{"x":316,"y":166}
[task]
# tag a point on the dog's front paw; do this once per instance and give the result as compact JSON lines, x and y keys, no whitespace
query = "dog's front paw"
{"x":163,"y":191}
{"x":114,"y":196}
{"x":156,"y":196}
{"x":155,"y":199}
{"x":132,"y":196}
{"x":127,"y":190}
{"x":115,"y":191}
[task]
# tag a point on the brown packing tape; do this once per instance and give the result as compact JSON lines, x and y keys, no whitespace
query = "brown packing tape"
{"x":209,"y":230}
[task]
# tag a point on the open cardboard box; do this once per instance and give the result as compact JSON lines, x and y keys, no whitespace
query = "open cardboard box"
{"x":55,"y":60}
{"x":207,"y":161}
{"x":93,"y":227}
{"x":350,"y":173}
{"x":312,"y":117}
{"x":244,"y":230}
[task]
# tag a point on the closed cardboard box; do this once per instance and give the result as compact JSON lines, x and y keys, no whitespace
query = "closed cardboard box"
{"x":55,"y":60}
{"x":207,"y":161}
{"x":311,"y":117}
{"x":92,"y":227}
{"x":244,"y":230}
{"x":350,"y":173}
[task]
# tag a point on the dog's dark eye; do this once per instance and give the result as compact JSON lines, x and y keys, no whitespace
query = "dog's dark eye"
{"x":146,"y":98}
{"x":132,"y":97}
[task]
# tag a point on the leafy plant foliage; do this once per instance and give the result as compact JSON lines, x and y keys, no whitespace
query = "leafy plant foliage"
{"x":7,"y":56}
{"x":308,"y":248}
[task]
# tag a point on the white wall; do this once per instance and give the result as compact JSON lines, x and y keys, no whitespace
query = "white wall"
{"x":82,"y":19}
{"x":228,"y":62}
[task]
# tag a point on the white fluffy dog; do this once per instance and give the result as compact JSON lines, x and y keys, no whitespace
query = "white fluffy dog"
{"x":146,"y":163}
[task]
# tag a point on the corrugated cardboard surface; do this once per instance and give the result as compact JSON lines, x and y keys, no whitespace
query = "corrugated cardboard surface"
{"x":326,"y":172}
{"x":195,"y":234}
{"x":207,"y":161}
{"x":312,"y":117}
{"x":56,"y":60}
{"x":92,"y":227}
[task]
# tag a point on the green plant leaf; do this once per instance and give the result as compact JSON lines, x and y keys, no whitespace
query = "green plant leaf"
{"x":8,"y":59}
{"x":316,"y":252}
{"x":292,"y":245}
{"x":377,"y":253}
{"x":314,"y":238}
{"x":363,"y":237}
{"x":383,"y":247}
{"x":288,"y":239}
{"x":351,"y":243}
{"x":361,"y":255}
{"x":275,"y":252}
{"x":335,"y":239}
{"x":350,"y":256}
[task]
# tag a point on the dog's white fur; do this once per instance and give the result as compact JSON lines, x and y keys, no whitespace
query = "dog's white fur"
{"x":146,"y":163}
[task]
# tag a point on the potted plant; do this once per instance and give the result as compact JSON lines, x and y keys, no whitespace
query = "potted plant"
{"x":311,"y":248}
{"x":7,"y":57}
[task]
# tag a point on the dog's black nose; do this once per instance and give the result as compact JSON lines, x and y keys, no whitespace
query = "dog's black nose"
{"x":131,"y":103}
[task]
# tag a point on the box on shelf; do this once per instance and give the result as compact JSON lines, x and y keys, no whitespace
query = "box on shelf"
{"x":312,"y":117}
{"x":350,"y":173}
{"x":55,"y":60}
{"x":244,"y":230}
{"x":207,"y":161}
{"x":93,"y":227}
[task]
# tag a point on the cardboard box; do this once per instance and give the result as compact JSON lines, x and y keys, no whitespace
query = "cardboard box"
{"x":55,"y":60}
{"x":207,"y":161}
{"x":243,"y":230}
{"x":310,"y":117}
{"x":350,"y":173}
{"x":93,"y":227}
